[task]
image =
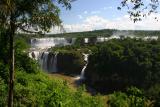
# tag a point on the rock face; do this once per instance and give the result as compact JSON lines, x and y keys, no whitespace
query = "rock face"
{"x":70,"y":63}
{"x":67,"y":62}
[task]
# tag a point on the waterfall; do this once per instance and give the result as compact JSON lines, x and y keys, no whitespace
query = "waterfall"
{"x":52,"y":65}
{"x":84,"y":68}
{"x":55,"y":62}
{"x":102,"y":39}
{"x":39,"y":51}
{"x":81,"y":77}
{"x":51,"y":62}
{"x":86,"y":40}
{"x":30,"y":54}
{"x":34,"y":55}
{"x":44,"y":43}
{"x":43,"y":60}
{"x":48,"y":61}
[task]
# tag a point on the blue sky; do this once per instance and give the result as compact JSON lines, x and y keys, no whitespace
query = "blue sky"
{"x":88,"y":15}
{"x":85,"y":8}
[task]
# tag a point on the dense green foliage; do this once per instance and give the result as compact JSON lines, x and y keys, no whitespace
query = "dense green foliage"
{"x":127,"y":62}
{"x":113,"y":66}
{"x":70,"y":62}
{"x":35,"y":88}
{"x":118,"y":64}
{"x":39,"y":90}
{"x":132,"y":98}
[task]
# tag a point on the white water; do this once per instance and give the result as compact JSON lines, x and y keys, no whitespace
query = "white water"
{"x":34,"y":55}
{"x":43,"y":61}
{"x":51,"y":63}
{"x":102,"y":39}
{"x":55,"y":63}
{"x":150,"y":38}
{"x":86,"y":40}
{"x":45,"y":43}
{"x":48,"y":62}
{"x":82,"y":77}
{"x":39,"y":51}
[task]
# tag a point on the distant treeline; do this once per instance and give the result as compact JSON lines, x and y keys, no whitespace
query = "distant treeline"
{"x":95,"y":33}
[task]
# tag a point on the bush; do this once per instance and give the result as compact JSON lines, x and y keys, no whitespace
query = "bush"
{"x":3,"y":93}
{"x":118,"y":99}
{"x":26,"y":64}
{"x":39,"y":90}
{"x":4,"y":71}
{"x":34,"y":88}
{"x":132,"y":98}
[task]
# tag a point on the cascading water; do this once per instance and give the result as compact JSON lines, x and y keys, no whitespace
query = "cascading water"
{"x":43,"y":60}
{"x":34,"y":55}
{"x":48,"y":62}
{"x":44,"y":43}
{"x":39,"y":51}
{"x":54,"y":66}
{"x":102,"y":39}
{"x":81,"y":77}
{"x":86,"y":40}
{"x":52,"y":63}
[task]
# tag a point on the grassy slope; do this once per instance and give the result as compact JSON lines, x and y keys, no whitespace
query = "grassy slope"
{"x":73,"y":86}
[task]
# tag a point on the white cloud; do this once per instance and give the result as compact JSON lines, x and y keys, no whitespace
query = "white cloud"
{"x":85,"y":12}
{"x":95,"y":12}
{"x":77,"y":27}
{"x":122,"y":23}
{"x":80,"y":16}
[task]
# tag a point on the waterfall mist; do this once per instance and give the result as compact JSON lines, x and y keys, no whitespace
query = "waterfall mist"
{"x":45,"y":43}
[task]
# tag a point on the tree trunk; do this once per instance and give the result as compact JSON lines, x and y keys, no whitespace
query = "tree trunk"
{"x":11,"y":70}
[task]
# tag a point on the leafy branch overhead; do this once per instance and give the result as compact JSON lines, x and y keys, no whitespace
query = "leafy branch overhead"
{"x":138,"y":9}
{"x":28,"y":16}
{"x":32,"y":14}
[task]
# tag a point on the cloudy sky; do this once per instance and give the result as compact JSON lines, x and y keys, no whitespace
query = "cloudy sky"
{"x":88,"y":15}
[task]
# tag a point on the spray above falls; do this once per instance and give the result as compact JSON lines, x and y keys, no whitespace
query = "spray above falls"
{"x":48,"y":60}
{"x":45,"y":43}
{"x":39,"y":51}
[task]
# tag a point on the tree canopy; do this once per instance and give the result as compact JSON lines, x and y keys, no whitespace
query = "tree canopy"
{"x":29,"y":16}
{"x":35,"y":14}
{"x":138,"y":9}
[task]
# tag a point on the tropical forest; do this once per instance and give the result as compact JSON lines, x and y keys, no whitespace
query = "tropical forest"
{"x":79,"y":53}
